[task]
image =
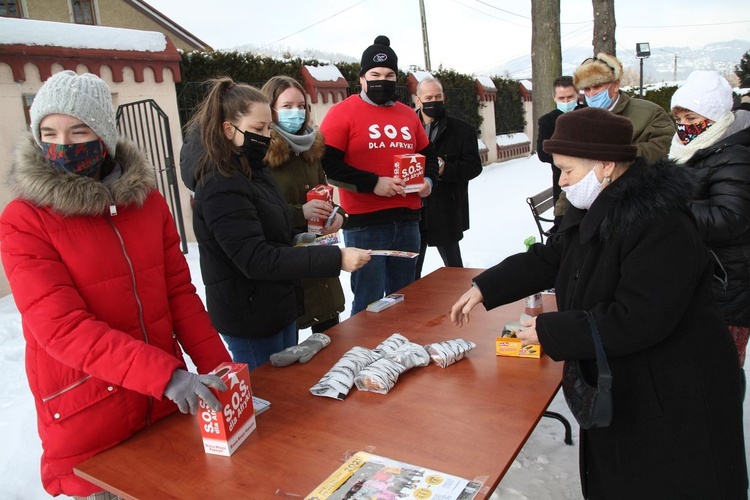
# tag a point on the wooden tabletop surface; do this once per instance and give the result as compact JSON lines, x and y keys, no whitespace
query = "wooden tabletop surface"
{"x":470,"y":419}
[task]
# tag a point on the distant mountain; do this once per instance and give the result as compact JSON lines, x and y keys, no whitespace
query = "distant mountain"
{"x":287,"y":53}
{"x":660,"y":67}
{"x":718,"y":56}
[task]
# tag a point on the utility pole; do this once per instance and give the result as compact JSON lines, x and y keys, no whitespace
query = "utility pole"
{"x":642,"y":51}
{"x":425,"y":41}
{"x":640,"y":87}
{"x":674,"y":76}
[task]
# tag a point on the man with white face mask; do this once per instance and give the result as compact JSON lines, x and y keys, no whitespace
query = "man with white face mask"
{"x":599,"y":79}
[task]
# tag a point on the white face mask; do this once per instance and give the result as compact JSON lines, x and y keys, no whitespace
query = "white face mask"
{"x":583,"y":193}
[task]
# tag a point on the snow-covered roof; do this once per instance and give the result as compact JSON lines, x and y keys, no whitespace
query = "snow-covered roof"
{"x":78,"y":36}
{"x":526,"y":84}
{"x":328,"y":73}
{"x":511,"y":139}
{"x":486,"y":82}
{"x":421,"y":75}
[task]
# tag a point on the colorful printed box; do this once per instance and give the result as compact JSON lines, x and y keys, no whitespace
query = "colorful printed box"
{"x":224,"y":431}
{"x":319,"y":192}
{"x":411,"y":169}
{"x":507,"y":344}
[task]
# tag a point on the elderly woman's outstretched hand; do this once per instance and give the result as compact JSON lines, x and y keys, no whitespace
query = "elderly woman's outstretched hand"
{"x":463,"y":306}
{"x":529,"y":334}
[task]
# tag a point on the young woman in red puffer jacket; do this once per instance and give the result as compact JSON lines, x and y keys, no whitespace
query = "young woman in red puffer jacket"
{"x":105,"y":295}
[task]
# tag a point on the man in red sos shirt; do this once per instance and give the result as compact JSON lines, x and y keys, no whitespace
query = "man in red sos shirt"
{"x":363,"y":134}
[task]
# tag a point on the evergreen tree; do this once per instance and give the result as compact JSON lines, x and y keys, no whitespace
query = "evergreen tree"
{"x":460,"y":95}
{"x":509,"y":113}
{"x":742,"y":70}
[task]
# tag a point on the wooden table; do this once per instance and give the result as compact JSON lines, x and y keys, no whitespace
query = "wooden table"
{"x":470,"y":419}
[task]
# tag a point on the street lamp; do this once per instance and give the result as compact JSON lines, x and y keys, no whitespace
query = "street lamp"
{"x":642,"y":51}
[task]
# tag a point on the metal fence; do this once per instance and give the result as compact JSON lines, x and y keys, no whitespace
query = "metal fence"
{"x":147,"y":125}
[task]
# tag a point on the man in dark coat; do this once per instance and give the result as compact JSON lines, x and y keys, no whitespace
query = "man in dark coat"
{"x":566,"y":100}
{"x":628,"y":252}
{"x":445,"y":213}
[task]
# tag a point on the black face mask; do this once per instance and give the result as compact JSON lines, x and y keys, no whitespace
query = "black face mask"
{"x":255,"y":146}
{"x":434,"y":109}
{"x":381,"y":91}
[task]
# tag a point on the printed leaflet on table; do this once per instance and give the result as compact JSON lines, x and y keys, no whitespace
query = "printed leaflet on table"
{"x":366,"y":475}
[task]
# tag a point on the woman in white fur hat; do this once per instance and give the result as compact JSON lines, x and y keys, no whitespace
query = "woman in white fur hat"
{"x":714,"y":142}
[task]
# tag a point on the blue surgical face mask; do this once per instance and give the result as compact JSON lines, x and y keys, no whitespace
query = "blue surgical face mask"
{"x":600,"y":100}
{"x":290,"y":120}
{"x":567,"y":106}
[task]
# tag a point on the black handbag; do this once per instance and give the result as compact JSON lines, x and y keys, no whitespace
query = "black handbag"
{"x":590,"y":405}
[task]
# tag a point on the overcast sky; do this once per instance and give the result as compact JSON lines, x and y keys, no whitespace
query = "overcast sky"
{"x":462,"y":33}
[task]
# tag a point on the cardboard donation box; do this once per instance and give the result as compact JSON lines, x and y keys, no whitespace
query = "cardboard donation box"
{"x":507,"y":344}
{"x":224,"y":431}
{"x":411,"y":169}
{"x":319,"y":192}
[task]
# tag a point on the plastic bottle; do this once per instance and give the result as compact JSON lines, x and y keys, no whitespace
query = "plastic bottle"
{"x":533,"y":302}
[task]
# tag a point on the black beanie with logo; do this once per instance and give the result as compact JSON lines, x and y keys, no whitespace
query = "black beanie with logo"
{"x":379,"y":55}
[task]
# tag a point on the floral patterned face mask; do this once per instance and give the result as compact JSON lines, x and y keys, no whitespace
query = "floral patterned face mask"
{"x":85,"y":158}
{"x":687,"y":133}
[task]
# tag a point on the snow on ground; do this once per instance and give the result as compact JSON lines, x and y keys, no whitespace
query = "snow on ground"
{"x":545,"y":469}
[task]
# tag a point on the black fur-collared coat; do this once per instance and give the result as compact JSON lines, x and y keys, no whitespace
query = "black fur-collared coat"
{"x":636,"y":261}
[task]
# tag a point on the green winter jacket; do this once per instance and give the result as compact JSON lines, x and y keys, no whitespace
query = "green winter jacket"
{"x":652,"y":127}
{"x":296,"y":174}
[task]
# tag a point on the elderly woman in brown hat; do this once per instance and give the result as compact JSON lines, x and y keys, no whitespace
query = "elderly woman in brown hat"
{"x":629,"y":261}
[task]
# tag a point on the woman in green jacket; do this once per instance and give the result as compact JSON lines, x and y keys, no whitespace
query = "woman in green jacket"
{"x":294,"y":159}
